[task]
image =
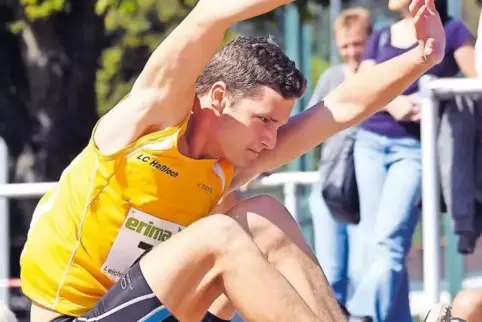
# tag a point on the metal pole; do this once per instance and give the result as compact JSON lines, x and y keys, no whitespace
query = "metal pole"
{"x":335,"y":9}
{"x":4,"y":231}
{"x":454,"y":262}
{"x":292,"y":46}
{"x":292,"y":33}
{"x":289,"y":191}
{"x":307,"y":160}
{"x":446,"y":88}
{"x":25,"y":190}
{"x":455,"y":8}
{"x":306,"y":52}
{"x":430,"y":194}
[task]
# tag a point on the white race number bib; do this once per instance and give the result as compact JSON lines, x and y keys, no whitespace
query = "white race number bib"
{"x":139,"y":233}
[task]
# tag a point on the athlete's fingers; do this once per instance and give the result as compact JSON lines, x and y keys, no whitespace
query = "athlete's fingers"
{"x":430,"y":5}
{"x":415,"y":6}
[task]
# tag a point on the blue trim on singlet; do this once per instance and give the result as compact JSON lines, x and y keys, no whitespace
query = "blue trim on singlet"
{"x":159,"y":316}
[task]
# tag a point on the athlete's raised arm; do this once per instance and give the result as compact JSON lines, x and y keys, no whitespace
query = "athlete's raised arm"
{"x":163,"y":94}
{"x":357,"y":98}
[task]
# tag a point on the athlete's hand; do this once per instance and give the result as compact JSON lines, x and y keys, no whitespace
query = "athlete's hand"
{"x":237,"y":10}
{"x":429,"y":30}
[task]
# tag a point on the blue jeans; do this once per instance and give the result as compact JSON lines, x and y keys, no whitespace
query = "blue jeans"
{"x":331,"y":245}
{"x":388,"y":174}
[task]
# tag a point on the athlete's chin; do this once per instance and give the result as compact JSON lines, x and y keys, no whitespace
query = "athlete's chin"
{"x":251,"y":159}
{"x":244,"y":161}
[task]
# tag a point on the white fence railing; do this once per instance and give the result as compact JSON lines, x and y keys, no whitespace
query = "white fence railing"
{"x":431,"y":90}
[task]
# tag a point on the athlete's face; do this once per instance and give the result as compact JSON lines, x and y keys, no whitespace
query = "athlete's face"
{"x":250,"y":125}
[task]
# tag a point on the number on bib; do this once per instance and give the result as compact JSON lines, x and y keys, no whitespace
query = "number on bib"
{"x":146,"y":247}
{"x":140,"y":232}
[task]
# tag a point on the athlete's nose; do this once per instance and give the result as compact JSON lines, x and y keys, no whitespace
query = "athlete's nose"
{"x":269,"y":139}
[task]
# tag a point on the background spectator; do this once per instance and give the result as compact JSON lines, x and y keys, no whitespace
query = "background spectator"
{"x":350,"y":31}
{"x":388,"y":170}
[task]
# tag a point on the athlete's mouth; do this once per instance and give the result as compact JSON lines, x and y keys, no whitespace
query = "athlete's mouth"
{"x":254,"y":151}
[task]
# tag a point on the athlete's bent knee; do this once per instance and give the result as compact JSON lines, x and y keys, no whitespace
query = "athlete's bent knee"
{"x":223,"y":233}
{"x":270,"y":224}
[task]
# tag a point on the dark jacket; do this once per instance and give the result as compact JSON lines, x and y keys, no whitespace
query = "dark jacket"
{"x":460,"y":153}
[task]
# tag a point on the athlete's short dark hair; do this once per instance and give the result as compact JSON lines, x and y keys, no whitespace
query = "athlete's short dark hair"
{"x":247,"y":63}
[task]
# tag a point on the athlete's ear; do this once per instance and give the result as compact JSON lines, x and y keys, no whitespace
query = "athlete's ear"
{"x":218,"y":96}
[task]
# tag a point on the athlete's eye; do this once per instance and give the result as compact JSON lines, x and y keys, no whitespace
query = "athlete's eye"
{"x":264,"y":119}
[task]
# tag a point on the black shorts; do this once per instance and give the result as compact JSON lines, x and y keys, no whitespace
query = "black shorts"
{"x":129,"y":300}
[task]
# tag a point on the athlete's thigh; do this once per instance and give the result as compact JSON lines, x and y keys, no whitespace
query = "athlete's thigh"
{"x":184,"y":270}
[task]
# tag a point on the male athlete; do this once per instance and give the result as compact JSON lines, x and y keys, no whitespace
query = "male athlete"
{"x":128,"y":234}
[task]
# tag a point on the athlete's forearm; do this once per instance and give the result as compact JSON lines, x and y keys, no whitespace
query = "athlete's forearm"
{"x":372,"y":89}
{"x":354,"y":100}
{"x":233,"y":11}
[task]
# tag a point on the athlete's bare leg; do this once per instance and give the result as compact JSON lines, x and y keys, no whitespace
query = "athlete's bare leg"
{"x":281,"y":240}
{"x":216,"y":256}
{"x":468,"y":305}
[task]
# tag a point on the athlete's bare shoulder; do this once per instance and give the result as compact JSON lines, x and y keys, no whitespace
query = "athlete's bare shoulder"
{"x":129,"y":119}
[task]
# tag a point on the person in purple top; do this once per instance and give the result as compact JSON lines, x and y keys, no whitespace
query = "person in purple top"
{"x":388,"y":170}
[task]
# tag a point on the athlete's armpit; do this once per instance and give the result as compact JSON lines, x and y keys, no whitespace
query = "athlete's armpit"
{"x":246,"y":178}
{"x":228,"y":201}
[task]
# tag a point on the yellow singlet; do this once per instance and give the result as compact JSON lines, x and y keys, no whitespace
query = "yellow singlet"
{"x":107,"y":210}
